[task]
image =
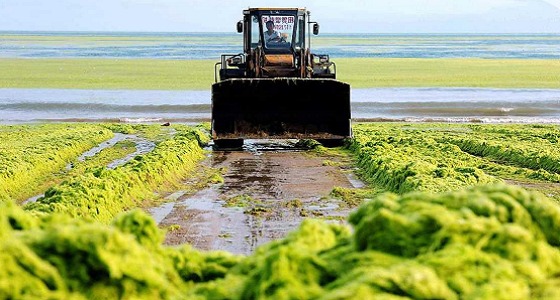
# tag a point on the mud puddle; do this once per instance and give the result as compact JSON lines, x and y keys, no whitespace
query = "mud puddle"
{"x":549,"y":189}
{"x":268,"y":190}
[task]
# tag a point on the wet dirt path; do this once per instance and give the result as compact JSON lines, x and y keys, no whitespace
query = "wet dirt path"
{"x":267,"y":192}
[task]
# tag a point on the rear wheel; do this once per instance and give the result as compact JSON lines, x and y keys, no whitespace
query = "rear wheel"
{"x":329,"y":143}
{"x":228,"y":144}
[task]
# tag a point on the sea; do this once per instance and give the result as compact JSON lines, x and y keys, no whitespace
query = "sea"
{"x":483,"y":105}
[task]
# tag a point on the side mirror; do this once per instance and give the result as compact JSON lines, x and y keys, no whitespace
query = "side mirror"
{"x":315,"y":29}
{"x":240,"y":27}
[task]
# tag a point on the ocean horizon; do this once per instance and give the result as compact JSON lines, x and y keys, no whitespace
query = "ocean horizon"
{"x":210,"y":45}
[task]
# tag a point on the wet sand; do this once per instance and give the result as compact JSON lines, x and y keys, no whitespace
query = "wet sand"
{"x":278,"y":185}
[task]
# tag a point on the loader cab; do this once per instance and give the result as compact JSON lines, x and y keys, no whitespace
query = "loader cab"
{"x":288,"y":27}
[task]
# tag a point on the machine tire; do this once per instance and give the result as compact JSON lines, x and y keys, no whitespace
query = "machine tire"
{"x":222,"y":144}
{"x":330,"y":143}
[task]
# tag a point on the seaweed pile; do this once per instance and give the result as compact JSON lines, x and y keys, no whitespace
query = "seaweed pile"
{"x":55,"y":256}
{"x":402,"y":160}
{"x":485,"y":242}
{"x":435,"y":157}
{"x":447,"y":228}
{"x":101,"y":193}
{"x":28,"y":153}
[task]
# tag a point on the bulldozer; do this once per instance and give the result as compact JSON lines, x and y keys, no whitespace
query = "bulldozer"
{"x":277,"y":88}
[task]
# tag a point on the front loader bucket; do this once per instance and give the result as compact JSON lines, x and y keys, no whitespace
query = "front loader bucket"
{"x":290,"y":108}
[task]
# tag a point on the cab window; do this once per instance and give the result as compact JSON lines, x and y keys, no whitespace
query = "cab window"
{"x":278,"y":30}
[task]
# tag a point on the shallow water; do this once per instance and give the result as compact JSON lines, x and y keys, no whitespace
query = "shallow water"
{"x":409,"y":104}
{"x":28,"y":105}
{"x":458,"y":104}
{"x":212,"y":45}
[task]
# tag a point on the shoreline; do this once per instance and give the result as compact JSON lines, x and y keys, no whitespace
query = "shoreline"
{"x":192,"y":122}
{"x":454,"y":105}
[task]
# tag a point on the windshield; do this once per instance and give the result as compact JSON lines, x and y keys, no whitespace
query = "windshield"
{"x":278,"y":30}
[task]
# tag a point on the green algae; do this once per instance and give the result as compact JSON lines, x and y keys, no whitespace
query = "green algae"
{"x":290,"y":268}
{"x":102,"y":193}
{"x":29,"y":154}
{"x":535,"y":149}
{"x":241,"y":201}
{"x":351,"y":197}
{"x":294,"y":203}
{"x":476,"y":239}
{"x":57,"y":257}
{"x":308,"y":144}
{"x":484,"y":242}
{"x":481,"y":243}
{"x":120,"y":150}
{"x":175,"y":74}
{"x":404,"y":160}
{"x":405,"y":157}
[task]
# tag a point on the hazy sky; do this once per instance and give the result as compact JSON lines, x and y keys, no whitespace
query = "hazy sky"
{"x":376,"y":16}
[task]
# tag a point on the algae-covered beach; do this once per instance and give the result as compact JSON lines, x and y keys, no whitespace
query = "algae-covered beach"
{"x":404,"y":210}
{"x":448,"y":211}
{"x":199,"y":74}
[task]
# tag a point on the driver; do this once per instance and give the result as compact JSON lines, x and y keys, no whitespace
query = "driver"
{"x":271,"y":35}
